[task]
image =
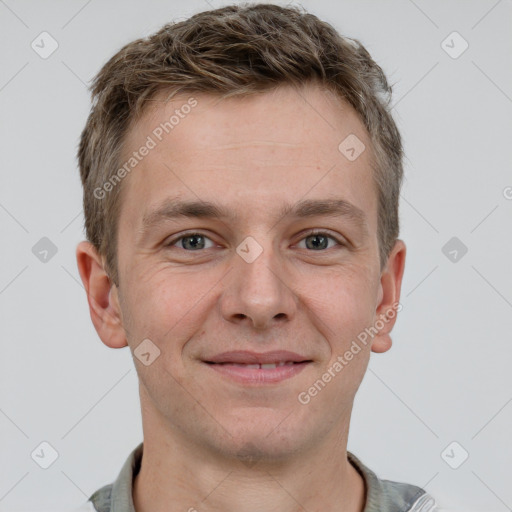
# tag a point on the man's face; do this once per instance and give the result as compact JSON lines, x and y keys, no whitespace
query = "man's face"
{"x":255,"y":280}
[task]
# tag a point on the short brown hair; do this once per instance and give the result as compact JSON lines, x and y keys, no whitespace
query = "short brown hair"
{"x":234,"y":50}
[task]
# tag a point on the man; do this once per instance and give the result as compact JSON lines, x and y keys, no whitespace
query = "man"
{"x":241,"y":175}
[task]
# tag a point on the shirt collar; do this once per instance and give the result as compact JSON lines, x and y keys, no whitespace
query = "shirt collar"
{"x":122,"y":497}
{"x":381,"y":495}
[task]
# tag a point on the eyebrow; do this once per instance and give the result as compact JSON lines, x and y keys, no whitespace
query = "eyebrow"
{"x":173,"y":208}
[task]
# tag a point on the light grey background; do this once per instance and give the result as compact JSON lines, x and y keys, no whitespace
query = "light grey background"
{"x":447,"y":377}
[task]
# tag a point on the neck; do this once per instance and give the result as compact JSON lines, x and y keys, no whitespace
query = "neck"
{"x":175,"y":475}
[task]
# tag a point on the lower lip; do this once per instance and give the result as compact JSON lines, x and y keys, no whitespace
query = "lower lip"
{"x":258,"y":375}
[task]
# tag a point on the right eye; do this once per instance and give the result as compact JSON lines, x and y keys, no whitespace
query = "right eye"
{"x":190,"y":242}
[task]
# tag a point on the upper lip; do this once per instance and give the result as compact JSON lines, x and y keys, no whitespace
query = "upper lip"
{"x":247,"y":357}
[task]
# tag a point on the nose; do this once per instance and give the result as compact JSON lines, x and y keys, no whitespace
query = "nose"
{"x":258,"y":293}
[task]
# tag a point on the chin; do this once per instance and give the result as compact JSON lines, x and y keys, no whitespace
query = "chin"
{"x":252,"y":449}
{"x":265,"y":439}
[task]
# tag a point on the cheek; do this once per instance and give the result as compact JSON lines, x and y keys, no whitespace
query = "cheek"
{"x":343,"y":307}
{"x":167,"y":313}
{"x":166,"y":294}
{"x":343,"y":302}
{"x":166,"y":309}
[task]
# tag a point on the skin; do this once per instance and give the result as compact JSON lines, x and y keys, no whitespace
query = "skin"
{"x":251,"y":155}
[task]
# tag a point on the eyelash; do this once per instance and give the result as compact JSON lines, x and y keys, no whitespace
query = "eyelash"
{"x":173,"y":242}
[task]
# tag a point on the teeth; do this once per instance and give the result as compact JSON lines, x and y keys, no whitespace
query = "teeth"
{"x":265,"y":366}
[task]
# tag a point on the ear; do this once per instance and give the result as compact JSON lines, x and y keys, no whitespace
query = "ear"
{"x":102,"y":296}
{"x":389,"y":297}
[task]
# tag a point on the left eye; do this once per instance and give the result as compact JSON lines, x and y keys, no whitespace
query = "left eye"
{"x":318,"y":240}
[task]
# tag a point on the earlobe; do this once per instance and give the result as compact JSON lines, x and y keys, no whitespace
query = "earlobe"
{"x":381,"y":343}
{"x":388,"y":304}
{"x":101,"y":296}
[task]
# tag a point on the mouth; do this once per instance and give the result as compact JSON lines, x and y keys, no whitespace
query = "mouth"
{"x":250,"y":368}
{"x":261,"y":366}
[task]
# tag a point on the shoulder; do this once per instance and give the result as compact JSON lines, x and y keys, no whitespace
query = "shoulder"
{"x":85,"y":507}
{"x":117,"y":494}
{"x":389,"y":496}
{"x":100,"y":501}
{"x":407,"y":497}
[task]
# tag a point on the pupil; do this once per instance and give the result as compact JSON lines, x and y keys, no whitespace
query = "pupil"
{"x":316,"y":244}
{"x":194,"y":244}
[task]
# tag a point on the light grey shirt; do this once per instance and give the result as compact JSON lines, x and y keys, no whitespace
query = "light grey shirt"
{"x":381,"y":495}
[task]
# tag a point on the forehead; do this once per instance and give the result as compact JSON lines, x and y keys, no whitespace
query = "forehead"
{"x":278,"y":146}
{"x":285,"y":118}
